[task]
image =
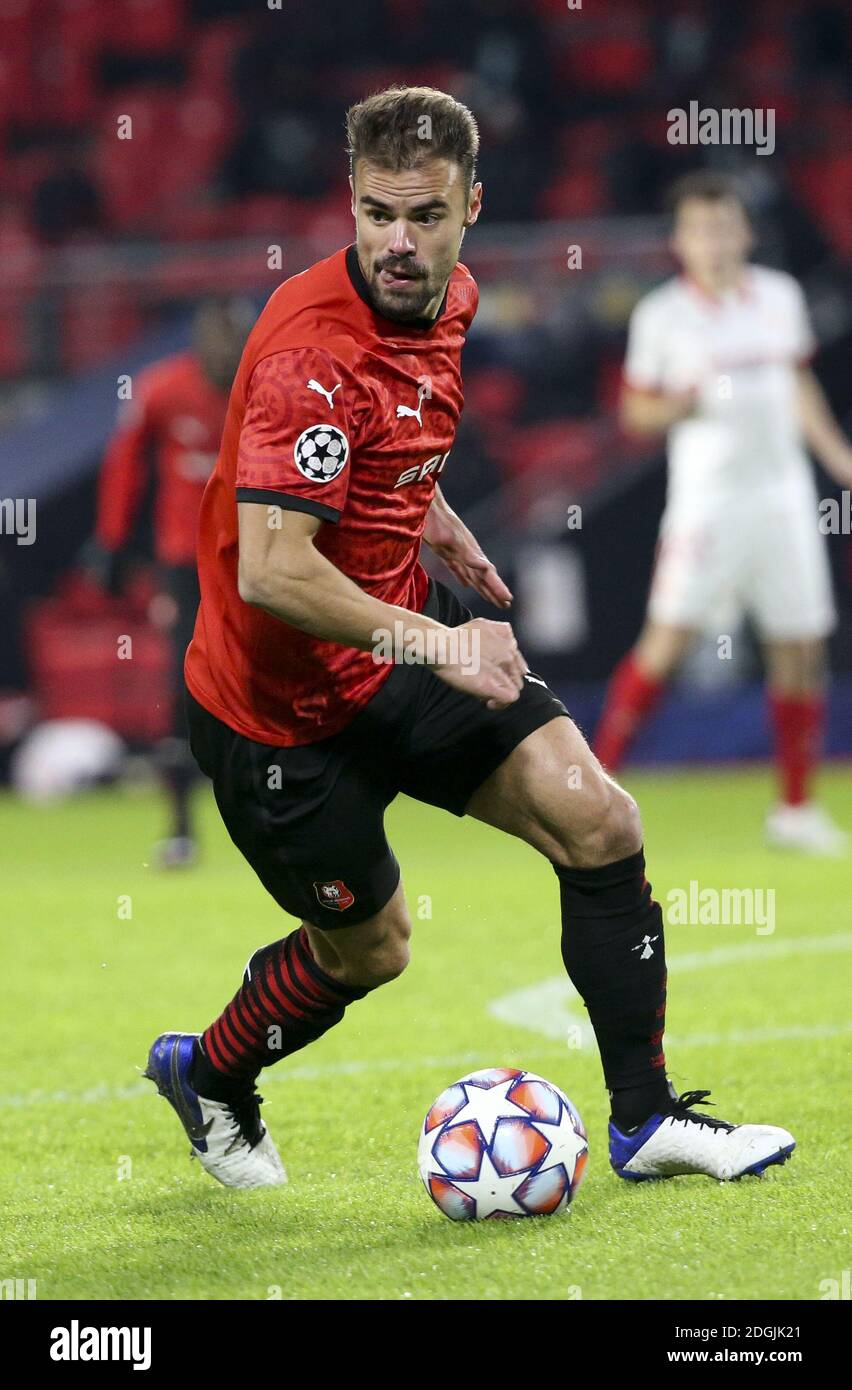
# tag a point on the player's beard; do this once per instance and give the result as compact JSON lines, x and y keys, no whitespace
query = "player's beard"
{"x":412,"y":300}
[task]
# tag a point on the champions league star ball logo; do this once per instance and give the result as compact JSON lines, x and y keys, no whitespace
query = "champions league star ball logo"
{"x":321,"y":453}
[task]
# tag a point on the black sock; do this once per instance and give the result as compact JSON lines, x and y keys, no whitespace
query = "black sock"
{"x":614,"y":953}
{"x":207,"y":1081}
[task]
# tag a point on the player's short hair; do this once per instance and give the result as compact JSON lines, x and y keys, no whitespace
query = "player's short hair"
{"x":402,"y":126}
{"x":705,"y":185}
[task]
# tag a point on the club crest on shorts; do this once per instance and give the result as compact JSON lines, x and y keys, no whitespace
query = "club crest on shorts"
{"x":334,"y":894}
{"x":321,"y":453}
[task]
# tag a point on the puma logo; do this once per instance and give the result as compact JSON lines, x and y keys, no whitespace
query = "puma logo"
{"x":402,"y":410}
{"x":329,"y":395}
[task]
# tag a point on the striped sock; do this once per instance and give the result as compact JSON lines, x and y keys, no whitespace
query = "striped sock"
{"x":285,"y":1002}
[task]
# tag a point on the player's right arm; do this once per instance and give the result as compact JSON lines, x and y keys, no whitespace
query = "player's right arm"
{"x":284,"y":496}
{"x":281,"y":571}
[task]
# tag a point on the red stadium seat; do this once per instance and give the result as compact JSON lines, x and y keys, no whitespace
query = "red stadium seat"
{"x":87,"y":24}
{"x":95,"y":324}
{"x":581,"y":193}
{"x":17,"y":51}
{"x":72,"y":655}
{"x":824,"y":184}
{"x":582,"y":144}
{"x":495,"y":395}
{"x":211,"y":56}
{"x":147,"y":26}
{"x":65,"y":82}
{"x":609,"y":63}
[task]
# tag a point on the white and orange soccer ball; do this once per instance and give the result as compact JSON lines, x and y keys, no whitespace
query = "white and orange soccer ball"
{"x":502,"y":1143}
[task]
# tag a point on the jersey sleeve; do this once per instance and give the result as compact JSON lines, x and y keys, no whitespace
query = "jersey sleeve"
{"x":297,"y":435}
{"x":643,"y":364}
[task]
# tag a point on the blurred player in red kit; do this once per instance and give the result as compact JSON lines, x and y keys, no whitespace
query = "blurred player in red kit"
{"x":718,"y":359}
{"x":168,"y":434}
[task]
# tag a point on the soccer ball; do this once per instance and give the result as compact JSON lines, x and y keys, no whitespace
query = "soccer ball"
{"x":500,"y":1143}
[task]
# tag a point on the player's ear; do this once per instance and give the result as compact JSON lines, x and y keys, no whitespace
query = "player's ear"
{"x":352,"y":191}
{"x":474,"y":205}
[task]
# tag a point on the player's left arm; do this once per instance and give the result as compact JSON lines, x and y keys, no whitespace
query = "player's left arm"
{"x":820,"y":430}
{"x":447,"y":537}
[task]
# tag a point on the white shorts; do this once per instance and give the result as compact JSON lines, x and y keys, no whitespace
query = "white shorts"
{"x":759,"y":551}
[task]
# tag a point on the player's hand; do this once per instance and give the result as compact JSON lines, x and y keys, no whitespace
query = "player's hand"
{"x":683,"y":403}
{"x":485,"y":662}
{"x":447,"y":537}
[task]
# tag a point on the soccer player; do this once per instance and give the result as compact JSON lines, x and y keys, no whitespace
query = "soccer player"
{"x":340,"y":423}
{"x":717,"y":358}
{"x":172,"y":427}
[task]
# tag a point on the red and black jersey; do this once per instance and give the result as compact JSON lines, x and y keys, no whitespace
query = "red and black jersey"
{"x":342,"y":413}
{"x":173,"y":424}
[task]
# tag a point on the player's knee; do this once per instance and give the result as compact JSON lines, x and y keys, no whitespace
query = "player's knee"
{"x":610,"y":829}
{"x":384,"y":964}
{"x":385,"y":955}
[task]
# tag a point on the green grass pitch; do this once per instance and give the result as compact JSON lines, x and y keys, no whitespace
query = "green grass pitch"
{"x":97,"y":1194}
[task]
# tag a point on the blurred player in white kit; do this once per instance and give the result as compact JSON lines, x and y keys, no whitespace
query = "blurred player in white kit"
{"x":717,"y":358}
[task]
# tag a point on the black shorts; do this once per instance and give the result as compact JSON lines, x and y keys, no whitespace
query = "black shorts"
{"x":310,"y":820}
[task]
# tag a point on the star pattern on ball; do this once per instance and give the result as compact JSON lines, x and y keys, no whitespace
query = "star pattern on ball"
{"x":492,"y":1192}
{"x":564,"y":1140}
{"x":487,"y":1106}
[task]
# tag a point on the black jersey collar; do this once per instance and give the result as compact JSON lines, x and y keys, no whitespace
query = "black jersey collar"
{"x":362,"y":289}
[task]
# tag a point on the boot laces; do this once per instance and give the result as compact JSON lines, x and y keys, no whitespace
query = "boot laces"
{"x":682,"y":1110}
{"x":244,"y":1110}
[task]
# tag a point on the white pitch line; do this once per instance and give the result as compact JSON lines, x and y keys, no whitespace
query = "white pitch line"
{"x":282,"y":1073}
{"x":552,"y":1007}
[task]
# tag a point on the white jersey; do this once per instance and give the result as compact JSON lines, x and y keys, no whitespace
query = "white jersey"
{"x":740,"y":351}
{"x":739,"y":532}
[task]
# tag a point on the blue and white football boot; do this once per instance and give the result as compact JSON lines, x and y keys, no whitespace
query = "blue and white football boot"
{"x":227,"y":1137}
{"x":685,"y":1141}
